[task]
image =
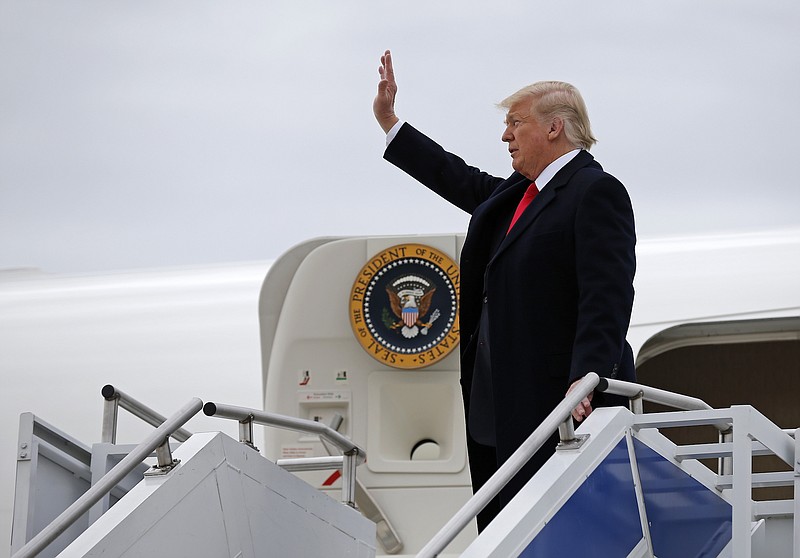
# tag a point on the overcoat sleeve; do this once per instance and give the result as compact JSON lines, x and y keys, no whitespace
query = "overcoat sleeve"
{"x":605,"y":262}
{"x":446,"y":174}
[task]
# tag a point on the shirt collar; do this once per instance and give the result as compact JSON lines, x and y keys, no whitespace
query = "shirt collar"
{"x":550,"y":170}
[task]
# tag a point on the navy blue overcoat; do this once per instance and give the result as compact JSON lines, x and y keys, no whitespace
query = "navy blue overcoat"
{"x":557,"y":290}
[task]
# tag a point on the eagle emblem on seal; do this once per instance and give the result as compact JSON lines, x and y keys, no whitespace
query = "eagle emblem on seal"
{"x":410,"y":299}
{"x":404,"y":306}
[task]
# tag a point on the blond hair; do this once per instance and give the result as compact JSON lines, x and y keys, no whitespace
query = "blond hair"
{"x":558,"y":99}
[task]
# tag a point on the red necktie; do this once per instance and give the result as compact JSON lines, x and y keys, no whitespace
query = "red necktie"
{"x":527,"y":198}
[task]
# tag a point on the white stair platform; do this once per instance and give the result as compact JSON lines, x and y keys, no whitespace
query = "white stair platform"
{"x":626,"y":493}
{"x":225,"y":499}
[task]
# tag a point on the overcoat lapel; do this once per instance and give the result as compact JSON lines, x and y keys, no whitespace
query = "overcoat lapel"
{"x":525,"y":220}
{"x":543,"y":199}
{"x":499,"y":207}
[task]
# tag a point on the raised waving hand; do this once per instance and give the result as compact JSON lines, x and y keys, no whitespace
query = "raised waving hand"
{"x":383,"y":105}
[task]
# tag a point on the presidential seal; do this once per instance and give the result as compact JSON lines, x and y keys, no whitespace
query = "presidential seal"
{"x":404,"y":306}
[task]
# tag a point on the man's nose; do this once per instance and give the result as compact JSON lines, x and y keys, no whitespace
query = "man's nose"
{"x":507,"y":135}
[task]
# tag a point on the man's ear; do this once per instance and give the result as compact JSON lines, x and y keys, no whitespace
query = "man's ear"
{"x":556,"y":128}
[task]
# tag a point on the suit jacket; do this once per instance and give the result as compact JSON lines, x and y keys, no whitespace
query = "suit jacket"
{"x":555,"y":294}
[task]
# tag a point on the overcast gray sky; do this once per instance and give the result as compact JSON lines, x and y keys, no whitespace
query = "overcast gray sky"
{"x":153,"y":133}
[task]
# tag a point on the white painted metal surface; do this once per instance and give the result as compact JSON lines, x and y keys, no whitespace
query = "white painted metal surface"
{"x":756,"y":529}
{"x":224,"y":499}
{"x":105,"y":484}
{"x":537,"y":502}
{"x":313,"y":367}
{"x":53,"y":471}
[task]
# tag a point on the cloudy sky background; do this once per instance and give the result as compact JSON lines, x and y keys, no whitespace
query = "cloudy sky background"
{"x":152,"y":133}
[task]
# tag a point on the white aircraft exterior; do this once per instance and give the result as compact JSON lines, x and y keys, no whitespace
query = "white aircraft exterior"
{"x":260,"y":335}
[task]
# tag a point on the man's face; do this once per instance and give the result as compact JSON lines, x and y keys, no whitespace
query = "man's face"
{"x":527,"y":139}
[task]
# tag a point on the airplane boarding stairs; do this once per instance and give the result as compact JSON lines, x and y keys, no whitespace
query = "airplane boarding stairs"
{"x":616,"y":487}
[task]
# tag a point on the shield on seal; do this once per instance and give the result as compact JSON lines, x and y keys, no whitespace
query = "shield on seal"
{"x":410,"y":316}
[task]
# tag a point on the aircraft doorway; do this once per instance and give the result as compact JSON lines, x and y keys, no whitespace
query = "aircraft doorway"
{"x":748,"y":362}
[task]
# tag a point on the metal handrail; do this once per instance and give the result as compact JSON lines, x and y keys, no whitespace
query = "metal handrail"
{"x":157,"y":438}
{"x":562,"y":413}
{"x":353,"y":454}
{"x":116,"y":398}
{"x":638,"y":392}
{"x":654,"y":395}
{"x":312,"y":463}
{"x":291,"y":423}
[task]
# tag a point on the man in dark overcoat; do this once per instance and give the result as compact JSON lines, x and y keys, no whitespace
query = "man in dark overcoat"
{"x":546,"y":269}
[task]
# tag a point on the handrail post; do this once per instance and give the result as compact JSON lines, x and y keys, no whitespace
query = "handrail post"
{"x":246,"y":432}
{"x":349,"y":478}
{"x":164,"y":455}
{"x":637,"y":403}
{"x":349,"y":464}
{"x":120,"y":399}
{"x":568,"y":440}
{"x":566,"y":430}
{"x":725,"y":464}
{"x":110,"y":415}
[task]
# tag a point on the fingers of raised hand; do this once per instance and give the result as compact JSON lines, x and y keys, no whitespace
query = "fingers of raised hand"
{"x":387,"y":58}
{"x":386,"y":69}
{"x":583,"y":410}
